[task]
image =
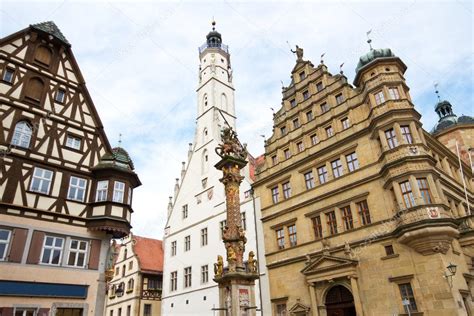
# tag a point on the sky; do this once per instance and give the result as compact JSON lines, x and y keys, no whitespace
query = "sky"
{"x":140,"y":62}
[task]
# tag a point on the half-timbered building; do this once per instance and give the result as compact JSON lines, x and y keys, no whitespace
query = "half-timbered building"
{"x":64,"y":191}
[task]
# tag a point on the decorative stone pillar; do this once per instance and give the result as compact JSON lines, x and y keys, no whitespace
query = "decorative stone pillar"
{"x":237,"y":282}
{"x":314,"y":300}
{"x":356,"y":294}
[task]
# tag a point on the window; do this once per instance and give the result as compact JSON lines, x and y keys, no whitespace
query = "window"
{"x":28,"y":311}
{"x":322,"y":174}
{"x":364,"y":212}
{"x":317,"y":227}
{"x":329,"y":131}
{"x":204,"y":274}
{"x":283,"y":130}
{"x":129,"y":197}
{"x":60,"y":96}
{"x":187,"y":243}
{"x":147,"y":310}
{"x":407,"y":194}
{"x":274,"y":160}
{"x":73,"y":142}
{"x":293,"y":103}
{"x":314,"y":139}
{"x":300,"y":146}
{"x":393,"y":92}
{"x":129,"y":310}
{"x":319,"y":86}
{"x":281,"y":309}
{"x":324,"y":107}
{"x":34,"y":89}
{"x":222,"y":225}
{"x":280,"y":238}
{"x":120,"y":311}
{"x":389,"y":250}
{"x":286,"y":190}
{"x":352,"y":162}
{"x":296,"y":123}
{"x":332,"y":222}
{"x":406,"y":134}
{"x":52,"y":250}
{"x":243,"y":220}
{"x":111,"y":312}
{"x":101,"y":192}
{"x":185,"y":211}
{"x":204,"y":236}
{"x":292,"y":235}
{"x":347,"y":217}
{"x":130,"y":265}
{"x":345,"y":123}
{"x":424,"y":190}
{"x":125,"y":253}
{"x":124,"y":269}
{"x":339,"y":98}
{"x":41,"y":181}
{"x":77,"y":253}
{"x":5,"y":236}
{"x":287,"y":153}
{"x":275,"y":195}
{"x":306,"y":95}
{"x":43,"y":54}
{"x":174,"y":281}
{"x":173,"y":248}
{"x":117,"y":271}
{"x":407,"y":293}
{"x":22,"y":134}
{"x":187,"y":277}
{"x":119,"y":189}
{"x":309,"y":116}
{"x":309,"y":180}
{"x":391,"y":138}
{"x":337,"y":168}
{"x":302,"y":75}
{"x":77,"y":189}
{"x":379,"y":98}
{"x":8,"y":75}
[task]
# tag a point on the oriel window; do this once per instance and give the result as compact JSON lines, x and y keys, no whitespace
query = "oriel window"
{"x":406,"y":133}
{"x":424,"y":190}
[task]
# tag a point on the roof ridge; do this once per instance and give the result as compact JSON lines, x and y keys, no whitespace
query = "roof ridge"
{"x":51,"y":28}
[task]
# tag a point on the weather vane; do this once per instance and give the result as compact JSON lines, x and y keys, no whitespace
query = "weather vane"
{"x":436,"y":91}
{"x":368,"y":39}
{"x":340,"y":69}
{"x":120,"y":140}
{"x":322,"y":60}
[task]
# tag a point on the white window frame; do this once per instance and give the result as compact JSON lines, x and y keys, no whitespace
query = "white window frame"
{"x":53,"y":247}
{"x":187,"y":243}
{"x":78,"y":188}
{"x":24,"y":310}
{"x":119,"y":191}
{"x":22,"y":134}
{"x":73,"y":142}
{"x":41,"y":178}
{"x":188,"y":273}
{"x":99,"y":192}
{"x":174,"y":247}
{"x":173,"y":281}
{"x":379,"y":97}
{"x":204,"y":274}
{"x":394,"y":93}
{"x":5,"y":242}
{"x":77,"y":251}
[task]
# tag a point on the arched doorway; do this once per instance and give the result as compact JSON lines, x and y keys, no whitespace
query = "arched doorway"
{"x":340,"y":302}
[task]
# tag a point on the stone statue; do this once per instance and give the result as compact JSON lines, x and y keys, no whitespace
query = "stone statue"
{"x":111,"y":255}
{"x":219,"y":266}
{"x":299,"y":53}
{"x":252,"y":263}
{"x":231,"y":146}
{"x":231,"y":258}
{"x":347,"y":249}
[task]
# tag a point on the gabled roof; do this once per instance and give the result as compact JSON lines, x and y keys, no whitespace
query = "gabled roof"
{"x":52,"y":29}
{"x":149,"y":253}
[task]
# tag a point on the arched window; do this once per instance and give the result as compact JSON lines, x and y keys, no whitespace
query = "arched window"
{"x":22,"y":134}
{"x":205,"y":161}
{"x":43,"y":54}
{"x":204,"y":134}
{"x":125,"y":254}
{"x":34,"y":89}
{"x":224,"y":102}
{"x":130,"y":285}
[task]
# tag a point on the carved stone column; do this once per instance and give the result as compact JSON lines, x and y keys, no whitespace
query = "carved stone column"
{"x":356,"y":294}
{"x":314,"y":300}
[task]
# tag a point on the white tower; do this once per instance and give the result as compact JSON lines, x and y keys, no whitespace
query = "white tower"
{"x":196,"y":213}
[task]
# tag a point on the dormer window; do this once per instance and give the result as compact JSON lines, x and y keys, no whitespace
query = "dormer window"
{"x":119,"y":189}
{"x":60,"y":96}
{"x":101,"y":193}
{"x":8,"y":75}
{"x":302,"y":75}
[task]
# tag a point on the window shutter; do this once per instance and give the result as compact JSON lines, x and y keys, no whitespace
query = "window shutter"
{"x":17,"y":245}
{"x":43,"y":55}
{"x":35,"y":247}
{"x":34,"y":90}
{"x":94,"y":254}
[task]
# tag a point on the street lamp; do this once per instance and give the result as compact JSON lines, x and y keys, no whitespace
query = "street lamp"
{"x":452,"y":271}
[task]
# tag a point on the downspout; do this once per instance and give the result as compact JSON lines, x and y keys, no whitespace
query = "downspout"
{"x":256,"y":249}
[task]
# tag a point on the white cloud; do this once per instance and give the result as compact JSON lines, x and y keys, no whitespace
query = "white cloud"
{"x":140,"y":62}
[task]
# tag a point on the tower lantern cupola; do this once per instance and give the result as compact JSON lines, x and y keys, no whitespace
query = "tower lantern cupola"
{"x":214,"y":38}
{"x":444,"y":109}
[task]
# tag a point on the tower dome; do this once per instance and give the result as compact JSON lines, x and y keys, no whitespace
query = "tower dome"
{"x":372,"y":55}
{"x":447,"y":118}
{"x":214,"y":38}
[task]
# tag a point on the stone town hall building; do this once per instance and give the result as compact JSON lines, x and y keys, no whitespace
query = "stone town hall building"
{"x":64,"y":191}
{"x":364,"y":211}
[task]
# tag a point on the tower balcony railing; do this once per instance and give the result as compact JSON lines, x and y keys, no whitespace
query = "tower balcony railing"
{"x":206,"y":45}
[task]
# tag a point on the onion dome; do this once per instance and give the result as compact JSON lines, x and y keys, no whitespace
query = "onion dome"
{"x":372,"y":55}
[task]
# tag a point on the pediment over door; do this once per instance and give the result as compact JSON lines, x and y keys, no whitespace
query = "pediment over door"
{"x":299,"y":309}
{"x":326,"y":267}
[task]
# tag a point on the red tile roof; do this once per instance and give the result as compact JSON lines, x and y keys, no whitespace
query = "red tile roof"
{"x":150,"y":254}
